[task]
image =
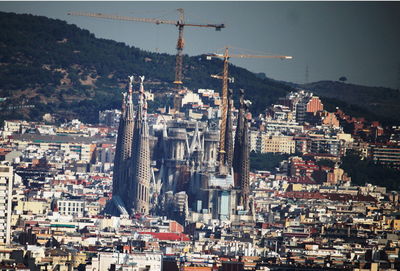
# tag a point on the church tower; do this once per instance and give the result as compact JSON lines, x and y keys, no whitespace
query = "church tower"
{"x":122,"y":160}
{"x":241,"y":167}
{"x":140,"y":186}
{"x":228,"y":133}
{"x":132,"y":172}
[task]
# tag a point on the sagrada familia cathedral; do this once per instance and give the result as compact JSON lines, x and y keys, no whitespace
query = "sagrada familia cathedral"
{"x":131,"y":179}
{"x":184,"y":169}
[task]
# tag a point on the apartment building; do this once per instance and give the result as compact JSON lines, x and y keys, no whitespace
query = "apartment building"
{"x":71,"y":207}
{"x":279,"y":144}
{"x":6,"y":188}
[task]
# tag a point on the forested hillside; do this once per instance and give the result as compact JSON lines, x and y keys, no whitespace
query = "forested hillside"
{"x":49,"y":66}
{"x":374,"y":103}
{"x":66,"y":70}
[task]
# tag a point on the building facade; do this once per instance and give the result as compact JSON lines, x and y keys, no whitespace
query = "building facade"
{"x":279,"y":144}
{"x":6,"y":188}
{"x":388,"y":154}
{"x":71,"y":207}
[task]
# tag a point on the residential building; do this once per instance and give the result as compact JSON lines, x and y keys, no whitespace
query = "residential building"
{"x":388,"y":154}
{"x":279,"y":144}
{"x":71,"y":207}
{"x":6,"y":192}
{"x":109,"y":117}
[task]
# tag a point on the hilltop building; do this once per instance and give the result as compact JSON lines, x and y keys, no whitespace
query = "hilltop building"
{"x":387,"y":154}
{"x":302,"y":104}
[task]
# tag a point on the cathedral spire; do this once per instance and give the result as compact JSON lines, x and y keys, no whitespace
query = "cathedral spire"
{"x":129,"y":103}
{"x":118,"y":149}
{"x":245,"y":166}
{"x":241,"y":154}
{"x":228,"y":134}
{"x":140,"y":185}
{"x":131,"y":78}
{"x":238,"y":141}
{"x":123,"y":150}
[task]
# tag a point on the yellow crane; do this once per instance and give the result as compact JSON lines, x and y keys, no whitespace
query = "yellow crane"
{"x":180,"y":23}
{"x":225,"y":56}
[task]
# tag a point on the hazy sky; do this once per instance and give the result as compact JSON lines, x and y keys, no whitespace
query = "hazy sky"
{"x":359,"y":40}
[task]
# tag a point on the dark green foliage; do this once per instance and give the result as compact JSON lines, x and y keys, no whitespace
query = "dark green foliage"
{"x":36,"y":41}
{"x":366,"y":171}
{"x":325,"y":162}
{"x":266,"y":161}
{"x":161,"y":102}
{"x":17,"y":76}
{"x":330,"y":104}
{"x":37,"y":52}
{"x":373,"y":103}
{"x":34,"y":49}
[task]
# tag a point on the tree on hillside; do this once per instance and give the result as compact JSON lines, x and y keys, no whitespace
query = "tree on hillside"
{"x":367,"y":171}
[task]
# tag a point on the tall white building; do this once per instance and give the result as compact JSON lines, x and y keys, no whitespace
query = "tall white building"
{"x":6,"y":188}
{"x":71,"y":207}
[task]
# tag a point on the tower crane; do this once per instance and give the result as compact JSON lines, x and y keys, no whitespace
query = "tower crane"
{"x":225,"y":56}
{"x":180,"y":23}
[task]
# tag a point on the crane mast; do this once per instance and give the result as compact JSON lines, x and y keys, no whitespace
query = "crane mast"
{"x":180,"y":23}
{"x":222,"y":159}
{"x":222,"y":150}
{"x":179,"y":49}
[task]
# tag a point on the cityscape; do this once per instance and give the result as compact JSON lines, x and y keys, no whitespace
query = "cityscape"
{"x":165,"y":174}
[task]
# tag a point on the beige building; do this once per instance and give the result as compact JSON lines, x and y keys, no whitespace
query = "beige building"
{"x":262,"y":142}
{"x":278,"y":144}
{"x":32,"y":207}
{"x":92,"y":209}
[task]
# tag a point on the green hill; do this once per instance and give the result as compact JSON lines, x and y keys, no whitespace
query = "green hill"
{"x":62,"y":69}
{"x":373,"y":103}
{"x":49,"y":66}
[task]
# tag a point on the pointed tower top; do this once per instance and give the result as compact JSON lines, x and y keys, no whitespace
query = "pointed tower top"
{"x":128,"y":99}
{"x":123,"y":106}
{"x":141,"y":157}
{"x":141,"y":90}
{"x":131,"y":78}
{"x":247,"y":104}
{"x":143,"y":95}
{"x":165,"y":132}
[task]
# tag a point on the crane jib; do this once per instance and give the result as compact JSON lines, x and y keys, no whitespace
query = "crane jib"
{"x":179,"y":23}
